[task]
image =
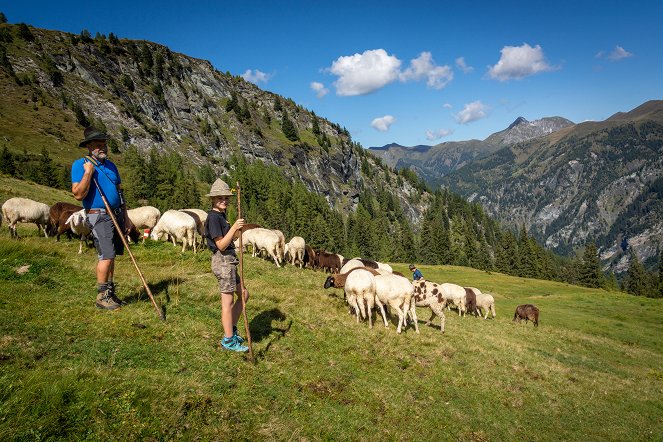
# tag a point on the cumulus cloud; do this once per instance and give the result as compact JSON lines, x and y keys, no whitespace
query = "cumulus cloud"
{"x":472,"y":112}
{"x":460,"y":62}
{"x":361,"y":74}
{"x":319,"y":88}
{"x":619,"y":53}
{"x":382,"y":124}
{"x":424,"y":66}
{"x":517,"y":62}
{"x":256,"y":76}
{"x":432,"y":135}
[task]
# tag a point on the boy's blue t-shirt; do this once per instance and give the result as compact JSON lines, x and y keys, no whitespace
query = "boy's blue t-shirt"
{"x":108,"y":177}
{"x":417,"y":275}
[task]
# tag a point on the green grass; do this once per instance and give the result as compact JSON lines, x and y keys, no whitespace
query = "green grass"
{"x":593,"y":370}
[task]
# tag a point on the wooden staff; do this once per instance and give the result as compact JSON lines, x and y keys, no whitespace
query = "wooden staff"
{"x":241,"y":275}
{"x":126,"y":246}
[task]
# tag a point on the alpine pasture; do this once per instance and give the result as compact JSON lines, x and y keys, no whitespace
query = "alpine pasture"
{"x":592,"y":370}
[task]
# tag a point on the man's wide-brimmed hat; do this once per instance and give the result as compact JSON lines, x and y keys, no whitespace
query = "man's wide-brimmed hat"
{"x":219,"y":188}
{"x":92,"y":133}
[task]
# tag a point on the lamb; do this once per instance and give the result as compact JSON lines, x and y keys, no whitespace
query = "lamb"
{"x":23,"y":210}
{"x":485,"y":302}
{"x":295,"y":250}
{"x":359,"y":290}
{"x":429,"y":294}
{"x":78,"y":225}
{"x":263,"y":239}
{"x":145,"y":217}
{"x":471,"y":300}
{"x":527,"y":312}
{"x":200,"y":216}
{"x":180,"y":227}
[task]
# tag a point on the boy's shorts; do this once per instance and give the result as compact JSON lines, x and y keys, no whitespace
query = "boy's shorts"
{"x":224,"y":267}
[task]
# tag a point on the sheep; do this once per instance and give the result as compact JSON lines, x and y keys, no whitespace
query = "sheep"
{"x":145,"y":217}
{"x":455,"y":294}
{"x":328,"y":261}
{"x":62,"y":225}
{"x":23,"y":210}
{"x":353,"y":263}
{"x":282,"y":239}
{"x":395,"y":291}
{"x":56,"y":219}
{"x":359,"y":290}
{"x":77,"y":222}
{"x":485,"y":302}
{"x":200,"y":216}
{"x":295,"y":250}
{"x":429,"y":294}
{"x":527,"y":312}
{"x":263,"y":239}
{"x":309,"y":257}
{"x":471,"y":300}
{"x":180,"y":227}
{"x":384,"y":266}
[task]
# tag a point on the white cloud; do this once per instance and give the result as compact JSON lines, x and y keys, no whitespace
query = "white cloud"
{"x":619,"y":53}
{"x":424,"y":66}
{"x":432,"y":135}
{"x":256,"y":76}
{"x":519,"y":62}
{"x":382,"y":124}
{"x":460,"y":62}
{"x":361,"y":74}
{"x":447,"y":105}
{"x":472,"y":112}
{"x":319,"y":88}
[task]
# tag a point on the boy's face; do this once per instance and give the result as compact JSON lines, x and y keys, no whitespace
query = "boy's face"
{"x":220,"y":202}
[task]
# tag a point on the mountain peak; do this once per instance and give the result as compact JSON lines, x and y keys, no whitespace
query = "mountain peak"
{"x":519,"y":121}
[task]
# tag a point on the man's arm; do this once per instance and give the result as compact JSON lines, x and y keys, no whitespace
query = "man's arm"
{"x":81,"y":188}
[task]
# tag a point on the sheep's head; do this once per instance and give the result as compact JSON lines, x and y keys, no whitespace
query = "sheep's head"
{"x":329,"y":282}
{"x":155,"y":235}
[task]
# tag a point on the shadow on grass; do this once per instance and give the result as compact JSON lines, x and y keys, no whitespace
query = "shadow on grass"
{"x":261,"y":328}
{"x":156,"y":288}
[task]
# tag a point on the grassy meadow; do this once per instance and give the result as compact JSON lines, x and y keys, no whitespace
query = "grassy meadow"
{"x":592,"y":370}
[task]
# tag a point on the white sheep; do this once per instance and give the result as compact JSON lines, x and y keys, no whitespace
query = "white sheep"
{"x":358,"y":286}
{"x":354,"y":263}
{"x":485,"y":302}
{"x":295,"y":250}
{"x":145,"y":217}
{"x":180,"y":227}
{"x":263,"y":239}
{"x":455,"y":294}
{"x":396,"y":292}
{"x":200,"y":216}
{"x":383,"y":266}
{"x":78,"y":225}
{"x":23,"y":210}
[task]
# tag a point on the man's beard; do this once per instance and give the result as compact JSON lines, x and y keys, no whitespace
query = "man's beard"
{"x":101,"y":156}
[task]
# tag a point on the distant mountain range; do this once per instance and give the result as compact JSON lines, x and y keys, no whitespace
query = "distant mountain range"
{"x":567,"y":183}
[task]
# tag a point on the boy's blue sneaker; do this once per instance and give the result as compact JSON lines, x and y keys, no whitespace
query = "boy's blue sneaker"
{"x":233,"y":344}
{"x":237,"y":336}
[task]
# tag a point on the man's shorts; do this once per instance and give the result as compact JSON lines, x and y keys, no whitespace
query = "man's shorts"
{"x":224,"y":267}
{"x":106,"y":239}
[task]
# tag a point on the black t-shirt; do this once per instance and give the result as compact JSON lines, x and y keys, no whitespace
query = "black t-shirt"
{"x":216,"y":225}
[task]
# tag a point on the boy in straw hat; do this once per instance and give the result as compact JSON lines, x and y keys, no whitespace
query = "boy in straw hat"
{"x":219,"y":239}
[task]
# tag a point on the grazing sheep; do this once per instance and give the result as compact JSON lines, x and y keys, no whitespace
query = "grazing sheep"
{"x":77,"y":222}
{"x":359,"y":291}
{"x":309,"y":257}
{"x":263,"y":239}
{"x":328,"y":261}
{"x":396,"y":292}
{"x":354,"y":263}
{"x":180,"y":227}
{"x":62,"y":225}
{"x":383,"y":266}
{"x":23,"y":210}
{"x":429,"y":294}
{"x":471,"y":300}
{"x":295,"y":250}
{"x":56,"y":219}
{"x":200,"y":216}
{"x":485,"y":302}
{"x":455,"y":294}
{"x":145,"y":217}
{"x":527,"y":312}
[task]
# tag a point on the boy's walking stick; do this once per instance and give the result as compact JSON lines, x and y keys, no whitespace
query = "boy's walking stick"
{"x":126,"y":246}
{"x":241,"y":276}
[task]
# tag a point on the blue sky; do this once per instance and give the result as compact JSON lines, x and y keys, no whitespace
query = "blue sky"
{"x":414,"y":72}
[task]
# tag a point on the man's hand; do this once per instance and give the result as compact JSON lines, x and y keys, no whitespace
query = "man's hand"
{"x":89,"y":167}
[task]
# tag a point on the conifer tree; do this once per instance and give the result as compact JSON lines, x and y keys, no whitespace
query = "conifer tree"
{"x":659,"y":292}
{"x":3,"y":18}
{"x":7,"y":162}
{"x":590,"y":274}
{"x":46,"y":171}
{"x":288,"y":128}
{"x":635,"y":281}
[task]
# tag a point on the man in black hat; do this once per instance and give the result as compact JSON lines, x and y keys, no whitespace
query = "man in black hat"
{"x":86,"y":173}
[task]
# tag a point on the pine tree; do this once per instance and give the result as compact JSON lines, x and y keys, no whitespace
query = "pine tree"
{"x":590,"y":274}
{"x":288,"y":128}
{"x":659,"y":292}
{"x":46,"y":171}
{"x":636,"y":277}
{"x":7,"y":162}
{"x":3,"y":18}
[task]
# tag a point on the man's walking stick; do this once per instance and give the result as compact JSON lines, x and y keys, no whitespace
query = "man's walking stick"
{"x":241,"y":276}
{"x":126,"y":246}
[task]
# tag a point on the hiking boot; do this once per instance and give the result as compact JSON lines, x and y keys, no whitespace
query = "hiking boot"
{"x":106,"y":302}
{"x":111,"y":291}
{"x":233,"y":344}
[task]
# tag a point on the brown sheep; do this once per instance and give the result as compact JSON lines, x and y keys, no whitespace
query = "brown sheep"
{"x":527,"y":312}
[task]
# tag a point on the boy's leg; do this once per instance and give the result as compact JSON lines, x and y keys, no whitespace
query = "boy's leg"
{"x":227,"y":313}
